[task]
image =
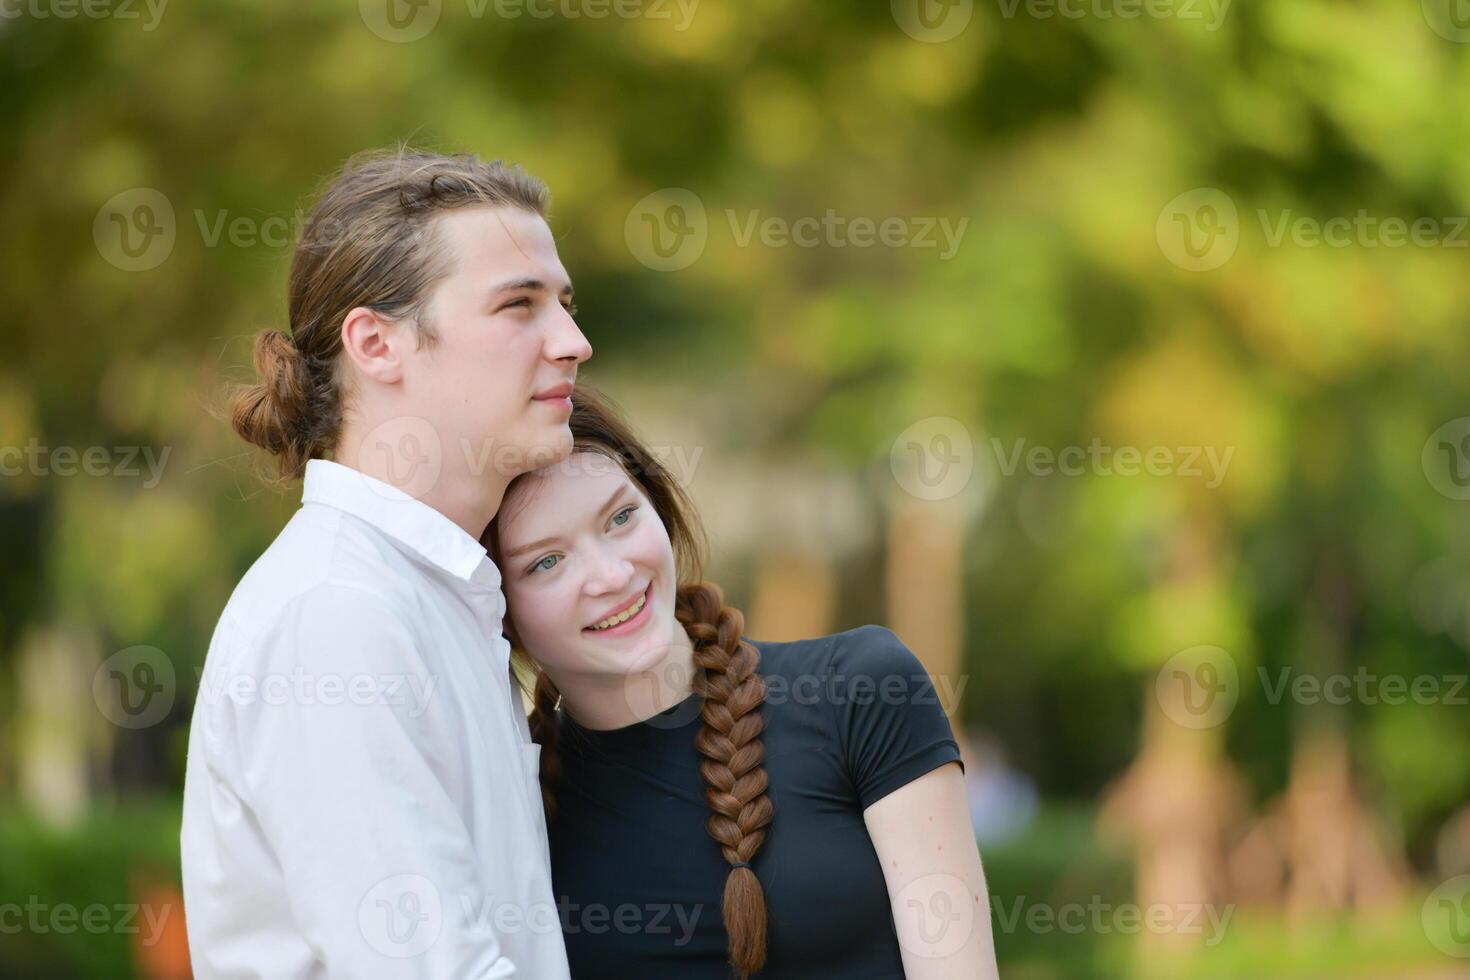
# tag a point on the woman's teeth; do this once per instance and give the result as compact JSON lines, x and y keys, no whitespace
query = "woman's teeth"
{"x":623,"y":616}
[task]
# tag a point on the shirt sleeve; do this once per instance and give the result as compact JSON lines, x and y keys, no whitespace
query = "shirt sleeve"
{"x":891,"y":724}
{"x":350,"y":790}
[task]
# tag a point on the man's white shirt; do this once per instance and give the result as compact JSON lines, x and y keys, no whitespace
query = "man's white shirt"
{"x":361,"y":795}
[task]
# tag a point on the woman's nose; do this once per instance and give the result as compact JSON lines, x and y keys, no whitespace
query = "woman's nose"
{"x":612,"y":575}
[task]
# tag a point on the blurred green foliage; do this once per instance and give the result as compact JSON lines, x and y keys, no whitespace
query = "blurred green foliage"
{"x":1061,"y":317}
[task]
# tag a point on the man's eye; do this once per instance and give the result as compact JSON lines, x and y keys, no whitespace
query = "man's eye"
{"x":571,"y":308}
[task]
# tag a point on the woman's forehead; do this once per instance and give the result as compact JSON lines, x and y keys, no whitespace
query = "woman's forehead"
{"x":580,"y":483}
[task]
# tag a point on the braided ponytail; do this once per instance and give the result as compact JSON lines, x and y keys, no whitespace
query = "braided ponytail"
{"x":730,"y":742}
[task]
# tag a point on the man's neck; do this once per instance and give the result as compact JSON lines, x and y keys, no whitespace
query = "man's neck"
{"x":401,"y":460}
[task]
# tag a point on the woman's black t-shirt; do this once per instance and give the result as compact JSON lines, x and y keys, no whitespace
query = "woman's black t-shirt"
{"x":849,"y":718}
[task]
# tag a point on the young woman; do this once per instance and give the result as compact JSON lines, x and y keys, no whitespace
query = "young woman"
{"x":784,"y":810}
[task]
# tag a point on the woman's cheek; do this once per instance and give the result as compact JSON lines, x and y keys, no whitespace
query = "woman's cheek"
{"x":554,"y":613}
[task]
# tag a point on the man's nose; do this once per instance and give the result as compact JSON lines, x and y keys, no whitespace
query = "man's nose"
{"x":566,"y":342}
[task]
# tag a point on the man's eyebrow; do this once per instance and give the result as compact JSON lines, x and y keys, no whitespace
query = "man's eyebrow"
{"x":543,"y":542}
{"x":527,"y":282}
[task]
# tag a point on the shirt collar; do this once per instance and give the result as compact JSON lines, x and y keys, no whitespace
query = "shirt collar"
{"x":404,"y":518}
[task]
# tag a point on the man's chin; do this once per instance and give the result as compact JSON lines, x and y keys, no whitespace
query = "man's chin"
{"x":547,"y":446}
{"x":558,"y":445}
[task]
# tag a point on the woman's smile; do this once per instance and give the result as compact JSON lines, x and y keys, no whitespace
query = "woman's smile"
{"x":641,"y":608}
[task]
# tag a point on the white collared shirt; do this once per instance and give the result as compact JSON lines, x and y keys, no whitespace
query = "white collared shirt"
{"x":361,"y":795}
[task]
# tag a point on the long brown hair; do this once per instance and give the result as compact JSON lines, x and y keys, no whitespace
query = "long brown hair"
{"x":371,"y":240}
{"x":726,"y":678}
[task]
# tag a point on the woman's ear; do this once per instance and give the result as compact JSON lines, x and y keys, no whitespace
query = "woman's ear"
{"x":508,"y":627}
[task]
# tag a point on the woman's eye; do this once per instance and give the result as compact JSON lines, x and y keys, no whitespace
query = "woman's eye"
{"x":541,"y":565}
{"x":625,"y":511}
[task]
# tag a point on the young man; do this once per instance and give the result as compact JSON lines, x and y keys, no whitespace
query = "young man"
{"x":361,"y":796}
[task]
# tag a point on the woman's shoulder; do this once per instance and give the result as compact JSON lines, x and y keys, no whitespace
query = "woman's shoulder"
{"x":883,"y":715}
{"x":865,"y":650}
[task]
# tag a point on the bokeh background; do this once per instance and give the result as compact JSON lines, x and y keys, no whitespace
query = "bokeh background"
{"x":1112,"y":352}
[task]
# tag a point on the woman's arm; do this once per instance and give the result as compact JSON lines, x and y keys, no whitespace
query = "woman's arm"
{"x":941,"y":909}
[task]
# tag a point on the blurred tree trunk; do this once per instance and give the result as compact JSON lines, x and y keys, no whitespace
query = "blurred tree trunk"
{"x":1336,"y":854}
{"x":794,"y":596}
{"x":55,"y":718}
{"x":925,"y":589}
{"x":1180,"y":800}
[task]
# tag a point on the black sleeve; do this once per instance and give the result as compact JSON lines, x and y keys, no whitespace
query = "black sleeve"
{"x":890,"y":723}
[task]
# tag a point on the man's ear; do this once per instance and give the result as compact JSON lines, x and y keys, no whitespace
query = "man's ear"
{"x":374,"y":344}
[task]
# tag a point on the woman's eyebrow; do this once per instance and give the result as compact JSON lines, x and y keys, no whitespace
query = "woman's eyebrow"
{"x":553,"y":539}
